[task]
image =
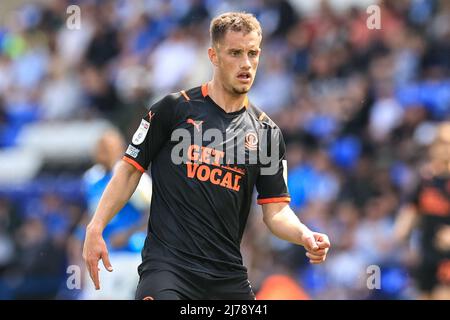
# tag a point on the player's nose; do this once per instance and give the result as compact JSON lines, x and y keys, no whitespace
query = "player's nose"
{"x":245,"y":64}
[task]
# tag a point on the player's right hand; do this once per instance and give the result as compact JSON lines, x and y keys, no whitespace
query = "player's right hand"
{"x":316,"y":245}
{"x":95,"y":249}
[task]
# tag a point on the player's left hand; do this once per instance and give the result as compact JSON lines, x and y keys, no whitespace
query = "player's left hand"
{"x":317,"y":246}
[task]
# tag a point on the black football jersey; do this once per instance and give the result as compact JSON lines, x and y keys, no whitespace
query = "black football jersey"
{"x":205,"y":164}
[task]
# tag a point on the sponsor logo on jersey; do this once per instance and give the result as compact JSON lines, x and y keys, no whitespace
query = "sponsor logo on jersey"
{"x":196,"y":124}
{"x":204,"y":164}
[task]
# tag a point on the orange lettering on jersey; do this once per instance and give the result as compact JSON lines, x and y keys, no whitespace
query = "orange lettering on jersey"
{"x":203,"y":173}
{"x":206,"y":153}
{"x":218,"y":155}
{"x":191,"y":169}
{"x":193,"y":152}
{"x":198,"y":167}
{"x":226,"y":181}
{"x":196,"y":153}
{"x":214,"y":173}
{"x":236,"y":185}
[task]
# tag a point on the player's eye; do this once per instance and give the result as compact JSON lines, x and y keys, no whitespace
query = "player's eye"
{"x":253,"y":53}
{"x":235,"y":53}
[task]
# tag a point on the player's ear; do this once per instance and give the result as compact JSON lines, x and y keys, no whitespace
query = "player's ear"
{"x":212,"y":53}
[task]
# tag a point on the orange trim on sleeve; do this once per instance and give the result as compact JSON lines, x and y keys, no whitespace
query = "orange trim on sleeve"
{"x":185,"y":95}
{"x":134,"y":164}
{"x":204,"y":89}
{"x":262,"y":116}
{"x":273,"y":200}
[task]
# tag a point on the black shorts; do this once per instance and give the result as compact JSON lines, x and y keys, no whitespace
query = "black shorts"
{"x":182,"y":284}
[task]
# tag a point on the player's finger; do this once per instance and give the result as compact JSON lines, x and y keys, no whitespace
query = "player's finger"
{"x":317,"y":261}
{"x":314,"y":256}
{"x":93,"y":272}
{"x":106,"y":262}
{"x":323,"y":242}
{"x":311,"y":244}
{"x":320,"y":252}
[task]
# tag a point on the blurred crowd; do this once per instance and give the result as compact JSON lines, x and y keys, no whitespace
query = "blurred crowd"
{"x":357,"y":107}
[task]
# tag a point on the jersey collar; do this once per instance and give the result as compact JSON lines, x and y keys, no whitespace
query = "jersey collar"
{"x":205,"y":93}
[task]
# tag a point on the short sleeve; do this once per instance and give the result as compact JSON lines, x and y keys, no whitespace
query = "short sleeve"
{"x":272,"y":184}
{"x":151,"y":135}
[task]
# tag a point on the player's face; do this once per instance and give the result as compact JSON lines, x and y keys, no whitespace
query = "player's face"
{"x":236,"y":59}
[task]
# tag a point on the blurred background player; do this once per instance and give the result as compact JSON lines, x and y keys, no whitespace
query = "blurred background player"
{"x":429,"y":212}
{"x":126,"y":233}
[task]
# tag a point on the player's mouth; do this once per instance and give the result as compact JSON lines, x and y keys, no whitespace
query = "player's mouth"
{"x":244,"y":77}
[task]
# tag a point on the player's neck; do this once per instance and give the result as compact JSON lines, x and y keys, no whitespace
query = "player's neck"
{"x":228,"y":102}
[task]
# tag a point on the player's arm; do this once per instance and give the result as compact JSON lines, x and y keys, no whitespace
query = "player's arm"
{"x":274,"y":198}
{"x":408,"y":216}
{"x":116,"y":195}
{"x":140,"y":200}
{"x":152,"y":133}
{"x":284,"y":223}
{"x":405,"y":222}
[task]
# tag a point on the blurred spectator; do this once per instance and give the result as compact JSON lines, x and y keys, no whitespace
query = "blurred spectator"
{"x":8,"y":224}
{"x":168,"y":70}
{"x":125,"y":234}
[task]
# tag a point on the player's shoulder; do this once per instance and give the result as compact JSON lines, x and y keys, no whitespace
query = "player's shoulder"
{"x":261,"y":117}
{"x":194,"y":93}
{"x":174,"y":99}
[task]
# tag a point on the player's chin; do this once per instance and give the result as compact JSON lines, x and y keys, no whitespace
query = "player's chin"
{"x":242,"y":89}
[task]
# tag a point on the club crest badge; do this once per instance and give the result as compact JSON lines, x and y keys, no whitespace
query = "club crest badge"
{"x":251,"y":141}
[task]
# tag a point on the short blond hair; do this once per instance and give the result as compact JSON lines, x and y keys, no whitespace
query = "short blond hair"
{"x":234,"y":21}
